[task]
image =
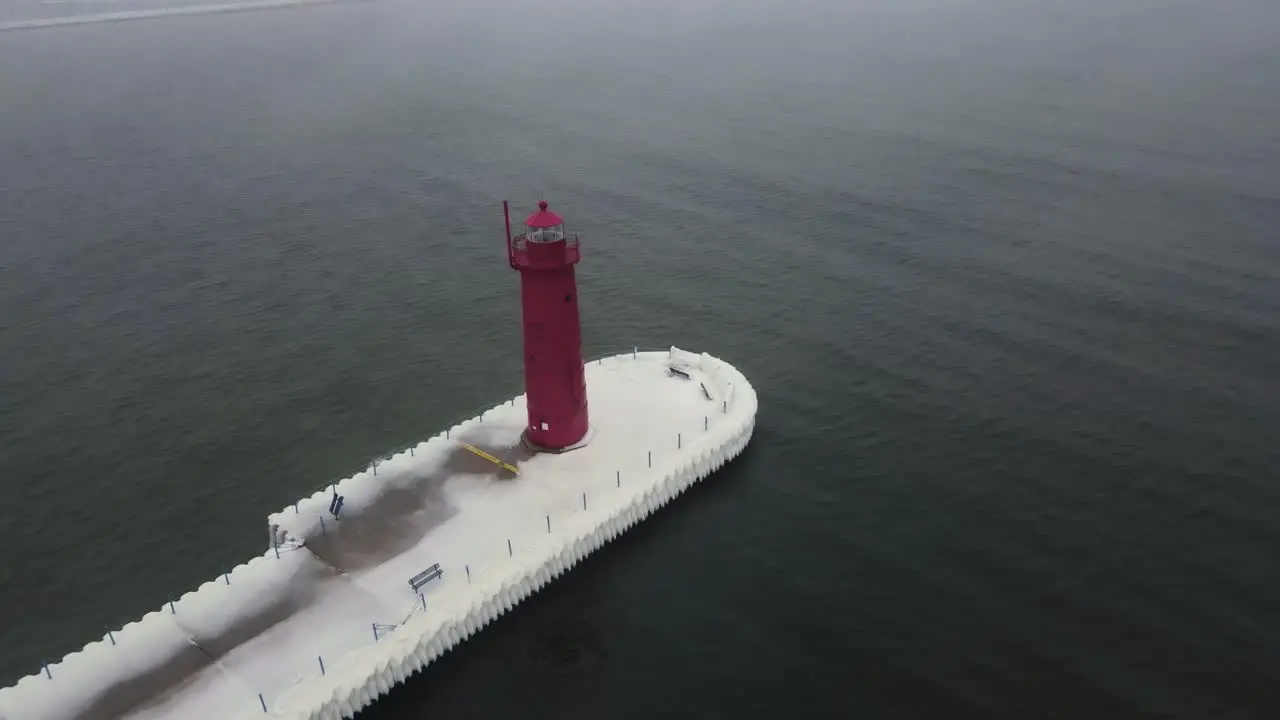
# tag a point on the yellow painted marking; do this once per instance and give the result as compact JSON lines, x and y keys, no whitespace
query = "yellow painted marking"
{"x":489,"y":457}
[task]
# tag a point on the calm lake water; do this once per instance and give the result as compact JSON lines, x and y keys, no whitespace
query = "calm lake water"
{"x":1005,"y":273}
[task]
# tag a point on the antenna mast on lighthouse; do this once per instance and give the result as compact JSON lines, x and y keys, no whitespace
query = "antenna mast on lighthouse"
{"x":555,"y":384}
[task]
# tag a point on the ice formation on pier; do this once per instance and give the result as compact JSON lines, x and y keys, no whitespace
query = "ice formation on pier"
{"x":325,"y":621}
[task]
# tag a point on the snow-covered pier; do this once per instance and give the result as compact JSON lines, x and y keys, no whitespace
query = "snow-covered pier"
{"x":425,"y":549}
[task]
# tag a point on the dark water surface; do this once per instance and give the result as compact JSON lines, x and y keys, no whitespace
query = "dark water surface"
{"x":1004,"y":273}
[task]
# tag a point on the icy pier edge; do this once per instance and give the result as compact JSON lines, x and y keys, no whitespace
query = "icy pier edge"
{"x":367,"y":674}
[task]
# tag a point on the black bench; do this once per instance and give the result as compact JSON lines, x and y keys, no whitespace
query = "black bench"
{"x":417,"y":581}
{"x":674,"y":371}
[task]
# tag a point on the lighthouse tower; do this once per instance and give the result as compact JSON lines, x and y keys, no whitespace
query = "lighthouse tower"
{"x":555,"y":386}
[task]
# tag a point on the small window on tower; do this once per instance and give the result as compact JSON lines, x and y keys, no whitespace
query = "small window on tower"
{"x":568,"y":298}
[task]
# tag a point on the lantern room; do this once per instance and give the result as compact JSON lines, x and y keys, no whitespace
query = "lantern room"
{"x":544,"y":244}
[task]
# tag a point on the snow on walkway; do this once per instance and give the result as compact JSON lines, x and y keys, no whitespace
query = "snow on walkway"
{"x":292,"y":633}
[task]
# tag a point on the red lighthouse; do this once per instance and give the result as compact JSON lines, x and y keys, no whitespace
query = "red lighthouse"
{"x":555,"y":386}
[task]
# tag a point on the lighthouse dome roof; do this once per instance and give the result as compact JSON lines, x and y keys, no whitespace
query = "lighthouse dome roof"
{"x":544,"y":218}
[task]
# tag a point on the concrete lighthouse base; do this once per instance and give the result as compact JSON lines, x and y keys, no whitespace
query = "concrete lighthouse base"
{"x":430,"y":546}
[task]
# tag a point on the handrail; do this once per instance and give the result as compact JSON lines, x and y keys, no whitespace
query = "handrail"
{"x":520,"y":241}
